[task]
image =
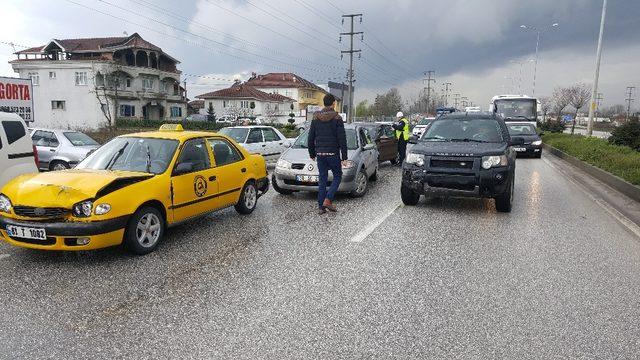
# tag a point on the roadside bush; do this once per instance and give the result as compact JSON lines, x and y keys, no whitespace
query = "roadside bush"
{"x":155,"y":124}
{"x":627,"y":135}
{"x":552,"y":126}
{"x":622,"y":161}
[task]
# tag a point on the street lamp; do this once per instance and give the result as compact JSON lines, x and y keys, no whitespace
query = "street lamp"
{"x":538,"y":32}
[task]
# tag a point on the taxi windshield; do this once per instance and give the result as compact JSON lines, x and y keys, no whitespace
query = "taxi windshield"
{"x":237,"y":134}
{"x":132,"y":154}
{"x":303,"y":139}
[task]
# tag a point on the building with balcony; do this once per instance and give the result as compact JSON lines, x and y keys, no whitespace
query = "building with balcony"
{"x":88,"y":83}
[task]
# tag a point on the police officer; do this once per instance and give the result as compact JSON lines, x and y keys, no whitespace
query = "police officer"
{"x":402,"y":134}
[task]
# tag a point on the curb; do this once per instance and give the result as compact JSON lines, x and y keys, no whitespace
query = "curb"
{"x":613,"y":181}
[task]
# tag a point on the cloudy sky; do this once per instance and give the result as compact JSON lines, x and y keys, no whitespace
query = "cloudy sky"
{"x":477,"y":45}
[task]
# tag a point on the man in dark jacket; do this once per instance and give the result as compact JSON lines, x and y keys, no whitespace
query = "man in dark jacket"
{"x":327,"y":145}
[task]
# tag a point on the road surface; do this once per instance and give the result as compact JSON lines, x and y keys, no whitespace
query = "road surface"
{"x":558,"y":277}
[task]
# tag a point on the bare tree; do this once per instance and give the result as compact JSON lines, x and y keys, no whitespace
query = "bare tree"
{"x":546,"y":104}
{"x":270,"y":112}
{"x":579,"y":95}
{"x":561,"y":99}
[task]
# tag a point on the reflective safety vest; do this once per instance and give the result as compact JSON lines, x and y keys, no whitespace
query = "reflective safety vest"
{"x":405,"y":131}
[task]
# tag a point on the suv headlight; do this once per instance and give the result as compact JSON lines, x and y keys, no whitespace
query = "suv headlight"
{"x":537,"y":143}
{"x":417,"y":159}
{"x":283,"y":164}
{"x":494,"y":161}
{"x":83,"y":209}
{"x":5,"y":204}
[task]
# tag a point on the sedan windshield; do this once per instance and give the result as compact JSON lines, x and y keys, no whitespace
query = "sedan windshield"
{"x":521,"y":129}
{"x":303,"y":139}
{"x":132,"y":154}
{"x":80,"y":139}
{"x":237,"y":134}
{"x":472,"y":130}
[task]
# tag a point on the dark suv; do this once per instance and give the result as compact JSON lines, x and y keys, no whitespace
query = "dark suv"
{"x":462,"y":155}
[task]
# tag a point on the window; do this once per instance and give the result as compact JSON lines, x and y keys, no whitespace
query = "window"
{"x":35,"y":78}
{"x":44,"y":138}
{"x":255,"y":136}
{"x":128,"y":82}
{"x":223,"y":152}
{"x":270,"y":135}
{"x":58,"y":105}
{"x":52,"y":74}
{"x":127,"y":110}
{"x":99,"y":80}
{"x":237,"y":134}
{"x":244,"y":104}
{"x":195,"y":154}
{"x":225,"y":103}
{"x":147,"y":84}
{"x":14,"y":130}
{"x":165,"y":86}
{"x":81,"y":78}
{"x":176,"y":111}
{"x":388,"y":131}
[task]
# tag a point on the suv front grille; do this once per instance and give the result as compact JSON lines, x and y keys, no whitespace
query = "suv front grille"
{"x":40,"y":213}
{"x":452,"y":164}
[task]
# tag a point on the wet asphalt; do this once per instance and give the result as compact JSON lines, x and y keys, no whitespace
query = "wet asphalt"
{"x":556,"y":278}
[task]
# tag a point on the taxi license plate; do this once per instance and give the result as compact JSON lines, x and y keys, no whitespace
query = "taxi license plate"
{"x":307,"y":178}
{"x":520,"y":149}
{"x":26,"y":232}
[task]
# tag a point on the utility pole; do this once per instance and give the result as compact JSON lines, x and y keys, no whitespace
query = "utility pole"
{"x":351,"y":51}
{"x":447,"y":88}
{"x":596,"y":77}
{"x":429,"y":79}
{"x":629,"y":100}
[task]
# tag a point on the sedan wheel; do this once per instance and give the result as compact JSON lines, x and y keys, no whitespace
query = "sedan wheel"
{"x":362,"y":183}
{"x":59,"y":165}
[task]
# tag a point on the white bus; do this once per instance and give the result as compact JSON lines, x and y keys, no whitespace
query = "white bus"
{"x":520,"y":108}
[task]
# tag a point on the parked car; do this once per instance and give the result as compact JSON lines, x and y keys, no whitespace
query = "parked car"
{"x":532,"y":140}
{"x":61,"y":149}
{"x":465,"y":155}
{"x":264,"y":140}
{"x":384,"y":137}
{"x":418,"y":130}
{"x":17,"y":154}
{"x":130,"y":190}
{"x":295,"y":171}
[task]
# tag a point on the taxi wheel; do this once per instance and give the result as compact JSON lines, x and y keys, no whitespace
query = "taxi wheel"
{"x":144,"y":231}
{"x":248,"y":199}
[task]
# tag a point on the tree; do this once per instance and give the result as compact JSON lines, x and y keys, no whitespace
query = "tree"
{"x":561,"y":99}
{"x":579,"y":94}
{"x":387,"y":104}
{"x":545,"y":106}
{"x":211,"y":113}
{"x":363,"y":109}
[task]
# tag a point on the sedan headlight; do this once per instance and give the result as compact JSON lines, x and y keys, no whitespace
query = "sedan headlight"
{"x":283,"y":164}
{"x":537,"y":143}
{"x":417,"y":159}
{"x":83,"y":209}
{"x":102,"y":209}
{"x":5,"y":204}
{"x":494,"y":161}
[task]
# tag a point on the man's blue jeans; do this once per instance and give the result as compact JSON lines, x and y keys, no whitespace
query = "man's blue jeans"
{"x":326,"y":163}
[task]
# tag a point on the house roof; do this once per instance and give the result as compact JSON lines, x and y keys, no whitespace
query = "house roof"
{"x":106,"y":44}
{"x":244,"y":91}
{"x":284,"y":80}
{"x":196,"y":104}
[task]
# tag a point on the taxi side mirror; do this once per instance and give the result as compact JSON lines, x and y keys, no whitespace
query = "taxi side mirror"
{"x":183,"y":168}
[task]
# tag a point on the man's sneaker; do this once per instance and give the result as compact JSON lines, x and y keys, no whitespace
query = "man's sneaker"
{"x":322,"y":211}
{"x":329,"y":205}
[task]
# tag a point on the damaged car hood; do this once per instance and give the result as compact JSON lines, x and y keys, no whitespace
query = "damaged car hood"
{"x":68,"y":187}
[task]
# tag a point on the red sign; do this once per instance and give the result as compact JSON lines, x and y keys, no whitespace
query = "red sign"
{"x":16,"y":97}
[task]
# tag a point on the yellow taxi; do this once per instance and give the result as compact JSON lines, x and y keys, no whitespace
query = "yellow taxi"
{"x":130,"y":190}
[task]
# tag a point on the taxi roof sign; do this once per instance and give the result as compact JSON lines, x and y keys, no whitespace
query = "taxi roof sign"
{"x":171,"y":127}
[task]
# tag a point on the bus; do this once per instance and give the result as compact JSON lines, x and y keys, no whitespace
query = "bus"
{"x":515,"y":108}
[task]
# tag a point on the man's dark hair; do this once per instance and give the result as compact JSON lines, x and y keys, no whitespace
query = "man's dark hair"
{"x":328,"y":100}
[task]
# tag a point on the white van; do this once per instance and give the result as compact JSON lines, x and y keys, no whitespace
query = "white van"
{"x":17,"y":155}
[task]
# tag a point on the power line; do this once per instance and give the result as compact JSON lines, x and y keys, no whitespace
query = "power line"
{"x":629,"y":99}
{"x":316,"y":11}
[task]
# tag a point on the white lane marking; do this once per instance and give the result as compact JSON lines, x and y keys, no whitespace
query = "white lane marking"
{"x":359,"y":237}
{"x":4,"y":256}
{"x":617,"y":215}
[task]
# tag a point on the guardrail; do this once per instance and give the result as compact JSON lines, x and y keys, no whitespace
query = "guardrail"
{"x":613,"y":181}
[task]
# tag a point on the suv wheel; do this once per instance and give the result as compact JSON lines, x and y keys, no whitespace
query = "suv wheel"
{"x":278,"y":189}
{"x":504,"y":202}
{"x":409,"y":196}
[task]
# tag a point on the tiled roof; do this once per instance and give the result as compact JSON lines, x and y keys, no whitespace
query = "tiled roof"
{"x":244,"y":91}
{"x":97,"y":44}
{"x":286,"y":80}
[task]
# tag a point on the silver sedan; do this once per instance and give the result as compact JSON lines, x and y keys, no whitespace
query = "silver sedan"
{"x":61,"y":149}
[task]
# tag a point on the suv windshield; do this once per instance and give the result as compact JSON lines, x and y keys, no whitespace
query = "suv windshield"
{"x":303,"y":139}
{"x":132,"y":154}
{"x":521,"y":129}
{"x":516,"y":109}
{"x":237,"y":134}
{"x":473,"y":130}
{"x":80,"y":139}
